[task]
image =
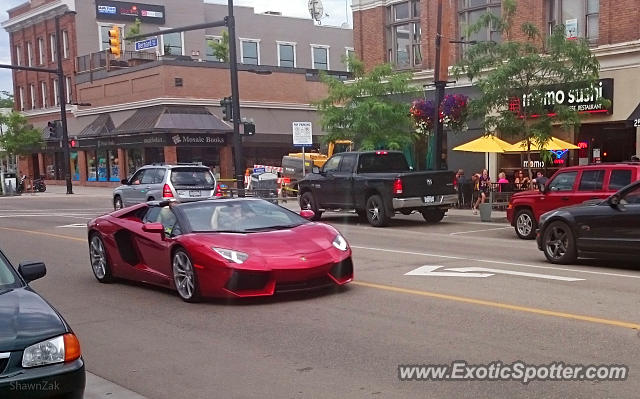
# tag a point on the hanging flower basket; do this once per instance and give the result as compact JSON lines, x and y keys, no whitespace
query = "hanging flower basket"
{"x":454,"y":112}
{"x":421,"y":112}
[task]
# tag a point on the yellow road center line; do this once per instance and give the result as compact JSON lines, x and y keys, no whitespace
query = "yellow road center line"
{"x":500,"y":305}
{"x":43,"y":233}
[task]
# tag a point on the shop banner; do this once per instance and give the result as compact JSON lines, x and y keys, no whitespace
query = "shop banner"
{"x":125,"y":11}
{"x":156,"y":140}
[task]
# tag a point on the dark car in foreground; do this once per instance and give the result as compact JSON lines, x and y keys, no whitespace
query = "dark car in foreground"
{"x":39,"y":353}
{"x":242,"y":247}
{"x":604,"y":227}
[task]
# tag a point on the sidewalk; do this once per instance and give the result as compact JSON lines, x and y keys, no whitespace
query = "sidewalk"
{"x":61,"y":191}
{"x":97,"y":388}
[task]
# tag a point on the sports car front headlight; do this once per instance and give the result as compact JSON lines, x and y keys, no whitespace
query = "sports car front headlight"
{"x":340,"y":243}
{"x":63,"y":348}
{"x":230,"y":254}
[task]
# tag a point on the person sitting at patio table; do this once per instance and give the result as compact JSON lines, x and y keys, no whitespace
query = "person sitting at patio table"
{"x":521,"y":181}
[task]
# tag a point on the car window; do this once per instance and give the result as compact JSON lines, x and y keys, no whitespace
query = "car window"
{"x":332,"y":164}
{"x":619,"y":178}
{"x":137,"y":178}
{"x":591,"y":180}
{"x":382,"y":161}
{"x":348,"y":162}
{"x":7,"y":276}
{"x":632,"y":197}
{"x":159,"y":176}
{"x":563,"y":181}
{"x":192,"y":177}
{"x":152,"y":215}
{"x":148,"y":176}
{"x":168,"y":219}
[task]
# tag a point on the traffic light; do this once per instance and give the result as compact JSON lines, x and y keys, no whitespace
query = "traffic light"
{"x":73,"y":143}
{"x":227,"y":108}
{"x":115,"y":45}
{"x":249,"y":128}
{"x":51,"y":129}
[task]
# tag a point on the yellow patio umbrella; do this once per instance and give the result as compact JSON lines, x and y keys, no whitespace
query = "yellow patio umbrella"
{"x":488,"y":144}
{"x":553,"y":144}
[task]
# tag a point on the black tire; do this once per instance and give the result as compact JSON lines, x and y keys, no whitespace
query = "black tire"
{"x":433,"y":215}
{"x":182,"y":267}
{"x":525,"y":224}
{"x":376,"y":212}
{"x":308,"y":201}
{"x":99,"y":259}
{"x":559,"y":243}
{"x":117,"y":203}
{"x":151,"y":199}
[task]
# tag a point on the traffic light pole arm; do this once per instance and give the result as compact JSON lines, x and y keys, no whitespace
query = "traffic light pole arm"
{"x":26,"y":68}
{"x":187,"y":28}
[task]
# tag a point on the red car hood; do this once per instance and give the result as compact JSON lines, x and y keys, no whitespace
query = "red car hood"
{"x":305,"y":239}
{"x":525,"y":194}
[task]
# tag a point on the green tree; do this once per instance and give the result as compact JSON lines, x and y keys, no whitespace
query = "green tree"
{"x":6,"y":99}
{"x":370,"y":110}
{"x":18,"y":137}
{"x":521,"y":72}
{"x":221,"y":48}
{"x":133,"y":30}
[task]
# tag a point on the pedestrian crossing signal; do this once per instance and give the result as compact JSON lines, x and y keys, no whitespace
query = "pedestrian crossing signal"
{"x":115,"y":44}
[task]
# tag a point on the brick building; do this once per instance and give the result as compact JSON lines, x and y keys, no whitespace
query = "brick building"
{"x":163,"y":104}
{"x":402,"y":32}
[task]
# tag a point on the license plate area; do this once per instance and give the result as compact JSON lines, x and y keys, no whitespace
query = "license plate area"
{"x":195,"y":193}
{"x":429,"y":199}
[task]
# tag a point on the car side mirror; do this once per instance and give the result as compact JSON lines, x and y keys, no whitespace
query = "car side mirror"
{"x":125,"y":181}
{"x":614,"y":201}
{"x":307,"y":214}
{"x":315,"y":170}
{"x":153,"y":228}
{"x":32,"y":270}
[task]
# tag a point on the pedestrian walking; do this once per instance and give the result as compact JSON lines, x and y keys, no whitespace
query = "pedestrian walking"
{"x":484,"y":187}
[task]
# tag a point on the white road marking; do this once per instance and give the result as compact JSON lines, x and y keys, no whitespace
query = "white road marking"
{"x":74,"y":225}
{"x":478,"y":231}
{"x":497,"y":262}
{"x":73,"y":216}
{"x":430,"y":271}
{"x":513,"y":273}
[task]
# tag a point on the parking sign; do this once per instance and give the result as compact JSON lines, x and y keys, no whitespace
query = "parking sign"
{"x":302,"y":134}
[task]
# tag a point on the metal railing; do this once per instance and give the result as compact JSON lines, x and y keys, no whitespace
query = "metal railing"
{"x":103,"y":60}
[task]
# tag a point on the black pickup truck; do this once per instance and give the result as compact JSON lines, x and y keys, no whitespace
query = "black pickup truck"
{"x":377,"y":184}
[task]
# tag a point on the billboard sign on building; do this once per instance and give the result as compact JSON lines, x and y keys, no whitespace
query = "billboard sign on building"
{"x":126,"y":11}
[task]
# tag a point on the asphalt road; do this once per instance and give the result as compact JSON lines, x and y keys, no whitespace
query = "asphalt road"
{"x":346,"y":343}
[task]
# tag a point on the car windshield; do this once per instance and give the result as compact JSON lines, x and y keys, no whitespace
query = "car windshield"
{"x":239,"y":216}
{"x":8,"y":278}
{"x":192,"y":177}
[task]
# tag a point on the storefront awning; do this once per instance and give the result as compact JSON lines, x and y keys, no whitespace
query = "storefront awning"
{"x":173,"y":119}
{"x":101,"y":126}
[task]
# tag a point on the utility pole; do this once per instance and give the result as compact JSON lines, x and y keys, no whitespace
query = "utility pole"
{"x":440,"y":85}
{"x":235,"y":98}
{"x":63,"y":108}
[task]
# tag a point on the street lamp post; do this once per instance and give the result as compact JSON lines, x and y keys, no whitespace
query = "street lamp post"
{"x":235,"y":98}
{"x":63,"y":107}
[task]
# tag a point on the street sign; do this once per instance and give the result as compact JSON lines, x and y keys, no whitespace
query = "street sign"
{"x":147,"y":43}
{"x":429,"y":270}
{"x":302,"y":134}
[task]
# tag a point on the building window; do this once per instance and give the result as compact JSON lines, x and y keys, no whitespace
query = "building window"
{"x":56,"y":99}
{"x":404,"y":34}
{"x":18,"y":60}
{"x":320,"y":57}
{"x":250,"y":51}
{"x":580,"y":18}
{"x":103,"y":31}
{"x":470,"y":12}
{"x":68,"y":89}
{"x":349,"y":53}
{"x":21,"y":99}
{"x":52,"y":42}
{"x":65,"y":44}
{"x":29,"y":54}
{"x":172,"y":44}
{"x":32,"y":93}
{"x":43,"y":90}
{"x":286,"y":54}
{"x":40,"y":51}
{"x":208,"y":41}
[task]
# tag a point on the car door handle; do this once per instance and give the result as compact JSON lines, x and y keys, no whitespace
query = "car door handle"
{"x":148,"y":187}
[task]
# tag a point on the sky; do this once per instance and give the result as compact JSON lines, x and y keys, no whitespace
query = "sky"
{"x":337,"y":12}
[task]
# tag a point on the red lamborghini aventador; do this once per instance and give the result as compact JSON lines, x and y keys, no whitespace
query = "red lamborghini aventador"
{"x":241,"y":247}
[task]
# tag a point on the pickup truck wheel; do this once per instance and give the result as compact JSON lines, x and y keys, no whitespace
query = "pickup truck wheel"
{"x":376,"y":214}
{"x":433,"y":215}
{"x":307,"y":201}
{"x":525,"y":224}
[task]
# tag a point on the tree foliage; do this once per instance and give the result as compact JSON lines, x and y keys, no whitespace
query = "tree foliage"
{"x":221,"y":48}
{"x":370,"y":109}
{"x":513,"y":77}
{"x":133,"y":30}
{"x":18,"y":137}
{"x":6,"y":99}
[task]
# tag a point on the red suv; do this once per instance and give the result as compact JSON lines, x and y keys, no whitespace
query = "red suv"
{"x":568,"y":186}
